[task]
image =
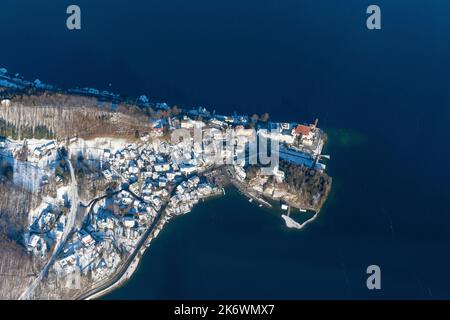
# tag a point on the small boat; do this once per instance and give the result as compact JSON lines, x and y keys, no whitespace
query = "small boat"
{"x":250,"y":200}
{"x":260,"y":205}
{"x":302,"y":210}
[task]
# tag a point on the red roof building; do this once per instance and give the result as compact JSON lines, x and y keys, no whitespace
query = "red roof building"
{"x":301,"y":129}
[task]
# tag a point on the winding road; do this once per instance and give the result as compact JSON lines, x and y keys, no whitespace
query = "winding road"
{"x":70,"y":221}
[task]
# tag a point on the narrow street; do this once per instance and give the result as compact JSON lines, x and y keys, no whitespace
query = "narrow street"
{"x":73,"y":196}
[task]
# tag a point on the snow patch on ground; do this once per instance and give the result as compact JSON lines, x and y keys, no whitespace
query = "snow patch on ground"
{"x":61,"y":194}
{"x":94,"y":149}
{"x":291,"y":223}
{"x":112,"y":144}
{"x":27,"y":176}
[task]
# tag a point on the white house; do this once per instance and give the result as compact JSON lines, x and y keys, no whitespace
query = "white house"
{"x":107,"y":174}
{"x":133,"y":170}
{"x":187,"y":169}
{"x":37,"y":153}
{"x":6,"y":103}
{"x":33,"y":241}
{"x":129,"y":222}
{"x":161,"y":167}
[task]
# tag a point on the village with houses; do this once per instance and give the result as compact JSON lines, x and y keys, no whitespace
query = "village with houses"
{"x":181,"y":159}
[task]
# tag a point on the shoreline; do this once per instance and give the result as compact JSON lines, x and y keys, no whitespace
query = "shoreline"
{"x":131,"y":263}
{"x":133,"y":266}
{"x":128,"y":272}
{"x":125,"y":277}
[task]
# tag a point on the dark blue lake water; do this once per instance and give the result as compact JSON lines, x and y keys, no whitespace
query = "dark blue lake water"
{"x":383,"y":97}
